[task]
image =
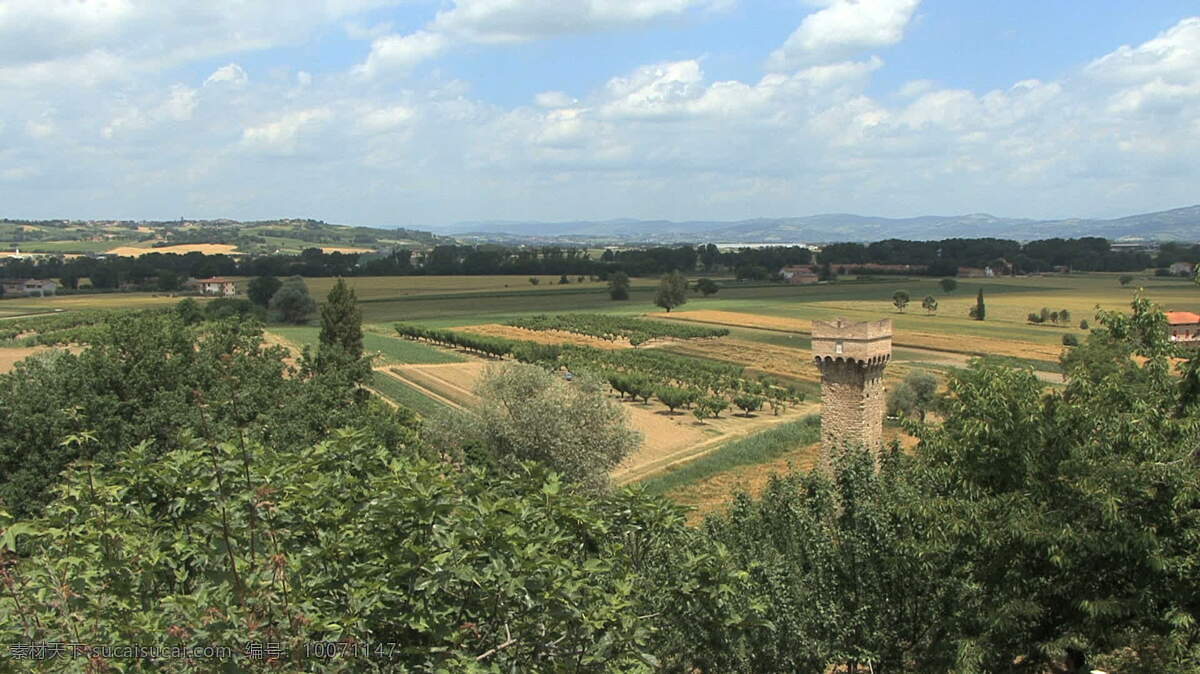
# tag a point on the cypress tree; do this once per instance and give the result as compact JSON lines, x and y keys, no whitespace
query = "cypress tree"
{"x":341,"y":320}
{"x":979,"y":312}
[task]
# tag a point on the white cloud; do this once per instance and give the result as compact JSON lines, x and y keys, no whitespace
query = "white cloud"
{"x":381,"y":120}
{"x":842,"y":29}
{"x":282,"y":136}
{"x":399,"y":53}
{"x":515,"y":21}
{"x":665,"y":139}
{"x":553,"y":99}
{"x":232,"y":74}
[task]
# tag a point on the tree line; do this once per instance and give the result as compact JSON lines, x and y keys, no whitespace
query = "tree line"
{"x":944,"y":257}
{"x":168,"y":271}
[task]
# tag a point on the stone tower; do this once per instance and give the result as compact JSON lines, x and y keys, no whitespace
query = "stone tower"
{"x":851,"y":358}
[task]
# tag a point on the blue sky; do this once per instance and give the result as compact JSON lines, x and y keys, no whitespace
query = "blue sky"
{"x":420,"y":113}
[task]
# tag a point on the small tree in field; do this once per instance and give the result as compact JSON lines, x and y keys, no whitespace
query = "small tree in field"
{"x":707,"y":286}
{"x":1126,"y":280}
{"x":618,"y":286}
{"x":1064,"y":315}
{"x":292,"y":303}
{"x":1083,"y":325}
{"x":1054,"y":317}
{"x":914,"y":396}
{"x":341,"y":321}
{"x":528,"y":414}
{"x":533,"y":280}
{"x":672,"y":291}
{"x":929,"y":304}
{"x":748,"y":403}
{"x":713,"y":406}
{"x":948,"y":285}
{"x":979,"y":311}
{"x":673,"y":397}
{"x":900,"y":299}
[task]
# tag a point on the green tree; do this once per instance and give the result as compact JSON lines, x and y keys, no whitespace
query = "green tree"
{"x":168,"y":280}
{"x":618,"y":286}
{"x":672,"y":291}
{"x":563,"y":280}
{"x":528,"y":414}
{"x":948,"y":285}
{"x":262,"y":288}
{"x":292,"y":303}
{"x":1126,"y":279}
{"x":1064,"y":315}
{"x":707,"y":286}
{"x":1094,"y":481}
{"x":341,"y":320}
{"x":929,"y":304}
{"x":189,"y":311}
{"x":340,"y":342}
{"x":748,"y":403}
{"x":914,"y":396}
{"x":900,"y":298}
{"x":533,"y":280}
{"x":1083,"y":324}
{"x":979,"y":311}
{"x":674,"y":397}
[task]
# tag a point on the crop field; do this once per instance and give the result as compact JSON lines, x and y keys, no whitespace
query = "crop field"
{"x":668,"y":439}
{"x":181,"y":249}
{"x":396,"y":390}
{"x":390,"y":350}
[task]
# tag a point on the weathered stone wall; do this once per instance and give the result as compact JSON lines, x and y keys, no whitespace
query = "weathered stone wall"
{"x":852,"y":358}
{"x":852,"y":402}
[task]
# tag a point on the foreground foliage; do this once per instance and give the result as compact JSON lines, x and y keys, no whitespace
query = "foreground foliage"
{"x":1028,"y":524}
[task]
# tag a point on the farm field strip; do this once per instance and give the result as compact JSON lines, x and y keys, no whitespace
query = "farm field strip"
{"x":452,"y":383}
{"x":390,"y":349}
{"x":403,"y":392}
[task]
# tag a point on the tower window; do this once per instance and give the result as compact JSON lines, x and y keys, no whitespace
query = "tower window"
{"x":837,"y":348}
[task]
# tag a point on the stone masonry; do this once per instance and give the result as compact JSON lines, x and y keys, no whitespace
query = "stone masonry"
{"x":851,"y":358}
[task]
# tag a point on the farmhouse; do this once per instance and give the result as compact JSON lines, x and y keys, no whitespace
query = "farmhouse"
{"x":29,"y":287}
{"x":221,"y":287}
{"x":975,"y":272}
{"x":798,"y":274}
{"x":1184,"y":327}
{"x":1182,"y":269}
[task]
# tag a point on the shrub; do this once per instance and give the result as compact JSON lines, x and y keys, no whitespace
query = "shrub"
{"x":1070,"y":340}
{"x":748,"y":402}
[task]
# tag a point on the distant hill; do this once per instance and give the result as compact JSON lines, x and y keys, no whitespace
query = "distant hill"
{"x":127,"y":237}
{"x":1180,"y":224}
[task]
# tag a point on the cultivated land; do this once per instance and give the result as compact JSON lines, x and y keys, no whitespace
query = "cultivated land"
{"x":768,"y":325}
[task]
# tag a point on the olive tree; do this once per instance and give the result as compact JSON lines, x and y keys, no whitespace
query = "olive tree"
{"x":528,"y":414}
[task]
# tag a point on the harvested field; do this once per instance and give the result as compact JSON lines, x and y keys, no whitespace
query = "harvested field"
{"x":344,"y":249}
{"x":206,"y":248}
{"x":542,"y":336}
{"x":738,"y":319}
{"x":794,"y":363}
